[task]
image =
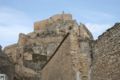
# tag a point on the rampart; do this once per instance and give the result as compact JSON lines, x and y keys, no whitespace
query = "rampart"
{"x":106,"y":56}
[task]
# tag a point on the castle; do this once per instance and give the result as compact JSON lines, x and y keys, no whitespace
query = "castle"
{"x":61,"y":49}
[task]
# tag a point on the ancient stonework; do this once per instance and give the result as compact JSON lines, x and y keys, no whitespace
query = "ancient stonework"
{"x":6,"y":66}
{"x":61,"y":49}
{"x":106,"y":56}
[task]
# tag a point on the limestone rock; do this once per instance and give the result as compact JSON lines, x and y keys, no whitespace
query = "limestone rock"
{"x":106,"y":57}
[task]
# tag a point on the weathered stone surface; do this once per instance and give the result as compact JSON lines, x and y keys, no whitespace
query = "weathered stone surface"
{"x":80,"y":51}
{"x":62,"y":70}
{"x":34,"y":49}
{"x":6,"y":67}
{"x":42,"y":25}
{"x":11,"y":52}
{"x":85,"y":33}
{"x":106,"y":57}
{"x":61,"y":49}
{"x":22,"y":39}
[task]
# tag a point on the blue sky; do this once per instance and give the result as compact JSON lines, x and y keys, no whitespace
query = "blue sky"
{"x":18,"y":16}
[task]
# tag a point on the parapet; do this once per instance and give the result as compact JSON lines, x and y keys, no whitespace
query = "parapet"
{"x":42,"y":25}
{"x":61,"y":17}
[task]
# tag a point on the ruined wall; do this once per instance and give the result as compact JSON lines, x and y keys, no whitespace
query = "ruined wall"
{"x":60,"y":66}
{"x":6,"y":67}
{"x":52,"y":21}
{"x":72,"y":60}
{"x":32,"y":50}
{"x":80,"y":39}
{"x":106,"y":56}
{"x":79,"y":57}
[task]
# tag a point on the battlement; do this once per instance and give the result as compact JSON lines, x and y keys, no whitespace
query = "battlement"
{"x":42,"y":25}
{"x":61,"y":17}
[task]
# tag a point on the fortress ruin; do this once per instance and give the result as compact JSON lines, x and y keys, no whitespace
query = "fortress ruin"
{"x":61,"y":49}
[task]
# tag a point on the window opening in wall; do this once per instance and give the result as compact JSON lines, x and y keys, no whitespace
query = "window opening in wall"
{"x":3,"y":77}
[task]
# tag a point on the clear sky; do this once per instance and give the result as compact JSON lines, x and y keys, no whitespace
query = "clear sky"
{"x":18,"y":16}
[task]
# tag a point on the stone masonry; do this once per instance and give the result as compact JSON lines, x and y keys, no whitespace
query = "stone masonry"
{"x":61,"y":49}
{"x":6,"y":66}
{"x":106,"y":55}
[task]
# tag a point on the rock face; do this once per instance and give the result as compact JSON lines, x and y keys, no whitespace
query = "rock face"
{"x":61,"y":49}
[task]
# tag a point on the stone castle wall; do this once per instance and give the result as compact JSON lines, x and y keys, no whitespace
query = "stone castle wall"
{"x":72,"y":60}
{"x":6,"y":66}
{"x":34,"y":49}
{"x":60,"y":66}
{"x":106,"y":56}
{"x":44,"y":24}
{"x":38,"y":56}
